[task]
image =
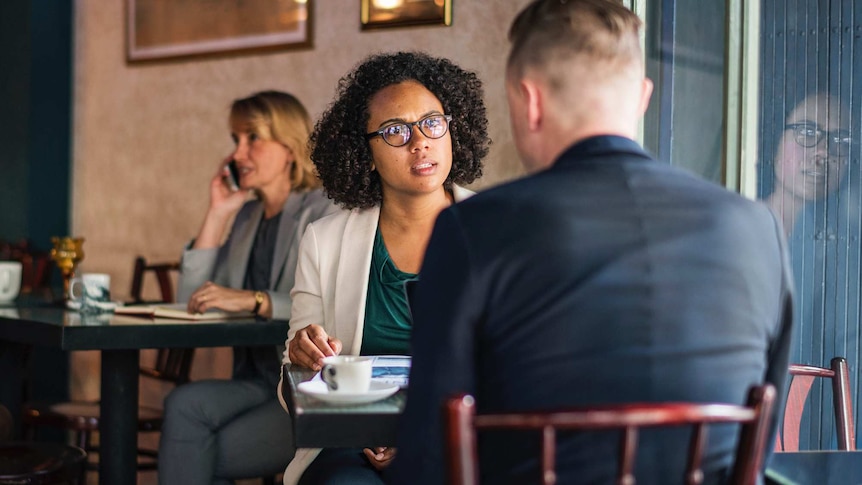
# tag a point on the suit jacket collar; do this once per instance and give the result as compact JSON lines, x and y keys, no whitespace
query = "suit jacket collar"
{"x":247,"y":231}
{"x":352,"y":275}
{"x":290,"y":214}
{"x":601,"y":145}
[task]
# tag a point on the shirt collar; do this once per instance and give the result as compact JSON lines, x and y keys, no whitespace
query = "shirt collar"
{"x":601,"y":145}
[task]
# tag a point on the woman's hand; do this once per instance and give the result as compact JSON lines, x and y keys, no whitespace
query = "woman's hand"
{"x":223,"y":201}
{"x":380,"y":457}
{"x":224,"y":204}
{"x":211,"y":295}
{"x":311,"y":345}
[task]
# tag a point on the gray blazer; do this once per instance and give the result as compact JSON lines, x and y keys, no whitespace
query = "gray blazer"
{"x":227,"y":265}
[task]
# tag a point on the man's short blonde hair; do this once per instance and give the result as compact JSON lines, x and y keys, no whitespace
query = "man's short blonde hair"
{"x":599,"y":38}
{"x":278,"y":116}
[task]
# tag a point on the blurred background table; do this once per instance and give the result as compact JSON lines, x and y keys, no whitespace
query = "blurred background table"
{"x":119,"y":339}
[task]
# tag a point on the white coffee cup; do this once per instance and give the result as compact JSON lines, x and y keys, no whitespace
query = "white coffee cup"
{"x":10,"y":280}
{"x":90,"y":289}
{"x":347,"y":374}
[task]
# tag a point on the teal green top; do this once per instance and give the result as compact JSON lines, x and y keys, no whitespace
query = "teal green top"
{"x":387,"y":316}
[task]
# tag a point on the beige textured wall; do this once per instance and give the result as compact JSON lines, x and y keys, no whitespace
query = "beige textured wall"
{"x":147,"y":137}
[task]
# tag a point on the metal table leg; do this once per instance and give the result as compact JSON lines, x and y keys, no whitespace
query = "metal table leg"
{"x":118,"y":430}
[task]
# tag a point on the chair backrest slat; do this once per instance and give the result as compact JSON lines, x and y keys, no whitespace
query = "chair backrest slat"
{"x":802,"y":380}
{"x":549,"y":453}
{"x":162,"y":271}
{"x":462,"y":424}
{"x":628,"y":453}
{"x":693,"y":472}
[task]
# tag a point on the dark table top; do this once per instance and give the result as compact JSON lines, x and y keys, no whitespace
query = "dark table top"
{"x":317,"y":424}
{"x":816,"y":468}
{"x":54,"y":326}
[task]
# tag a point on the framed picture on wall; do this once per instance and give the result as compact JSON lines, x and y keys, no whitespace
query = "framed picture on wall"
{"x":168,"y":28}
{"x":379,"y":14}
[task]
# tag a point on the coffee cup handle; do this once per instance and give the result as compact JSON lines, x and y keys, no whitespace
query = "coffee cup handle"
{"x":328,"y":376}
{"x":72,"y":285}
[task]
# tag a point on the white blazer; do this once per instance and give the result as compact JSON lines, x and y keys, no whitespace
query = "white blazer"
{"x":330,"y":288}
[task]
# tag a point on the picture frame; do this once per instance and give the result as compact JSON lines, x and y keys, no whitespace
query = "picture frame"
{"x":161,"y":29}
{"x":381,"y":14}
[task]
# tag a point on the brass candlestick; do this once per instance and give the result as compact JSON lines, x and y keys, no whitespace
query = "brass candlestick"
{"x":67,"y":253}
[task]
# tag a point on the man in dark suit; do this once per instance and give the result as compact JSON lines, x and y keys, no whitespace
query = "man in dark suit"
{"x":603,"y":277}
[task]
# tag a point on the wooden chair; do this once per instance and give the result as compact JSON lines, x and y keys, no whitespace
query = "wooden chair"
{"x":36,"y":463}
{"x":171,"y":365}
{"x":802,"y":378}
{"x":162,"y":271}
{"x":36,"y":266}
{"x":462,"y":424}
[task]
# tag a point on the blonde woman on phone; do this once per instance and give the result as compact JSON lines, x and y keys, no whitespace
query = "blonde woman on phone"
{"x":219,"y":430}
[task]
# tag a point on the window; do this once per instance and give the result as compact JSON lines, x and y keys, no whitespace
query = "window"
{"x":809,"y":173}
{"x":765,"y":97}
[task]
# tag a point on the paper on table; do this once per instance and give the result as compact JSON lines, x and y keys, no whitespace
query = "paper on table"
{"x":178,"y":311}
{"x":391,"y":369}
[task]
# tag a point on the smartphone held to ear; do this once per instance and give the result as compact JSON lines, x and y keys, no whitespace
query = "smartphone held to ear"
{"x":232,"y":176}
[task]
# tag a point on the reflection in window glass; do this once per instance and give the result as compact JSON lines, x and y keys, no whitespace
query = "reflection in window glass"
{"x":809,"y":174}
{"x":685,"y":59}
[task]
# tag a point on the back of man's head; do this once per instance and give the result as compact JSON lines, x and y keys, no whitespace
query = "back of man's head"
{"x":588,"y":55}
{"x":601,"y":36}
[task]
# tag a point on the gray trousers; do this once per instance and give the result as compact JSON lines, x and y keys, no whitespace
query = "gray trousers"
{"x":217,"y":430}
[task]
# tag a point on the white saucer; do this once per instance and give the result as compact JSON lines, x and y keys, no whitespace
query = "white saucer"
{"x":105,"y":306}
{"x":318,"y":390}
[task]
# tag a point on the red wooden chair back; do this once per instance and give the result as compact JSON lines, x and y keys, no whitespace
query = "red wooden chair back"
{"x":36,"y":266}
{"x":162,"y":271}
{"x":462,"y":424}
{"x":802,"y":378}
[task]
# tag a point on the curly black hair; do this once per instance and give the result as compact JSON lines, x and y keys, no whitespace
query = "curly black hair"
{"x":341,"y":152}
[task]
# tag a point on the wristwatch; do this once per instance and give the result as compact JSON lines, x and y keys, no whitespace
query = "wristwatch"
{"x":258,"y":301}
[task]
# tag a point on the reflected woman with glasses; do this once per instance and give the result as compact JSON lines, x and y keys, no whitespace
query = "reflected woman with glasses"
{"x":404,"y":132}
{"x":811,"y":156}
{"x":811,"y":191}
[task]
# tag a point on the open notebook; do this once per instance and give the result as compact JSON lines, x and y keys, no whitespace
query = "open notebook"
{"x":391,"y":369}
{"x":177,"y":311}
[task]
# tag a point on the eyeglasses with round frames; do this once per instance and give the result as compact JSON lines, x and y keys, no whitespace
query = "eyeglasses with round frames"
{"x":809,"y":135}
{"x":399,"y":134}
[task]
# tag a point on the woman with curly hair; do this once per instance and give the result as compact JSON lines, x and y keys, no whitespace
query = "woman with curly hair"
{"x":405,"y":130}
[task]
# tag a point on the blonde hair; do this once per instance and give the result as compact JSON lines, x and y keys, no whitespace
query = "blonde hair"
{"x":278,"y":116}
{"x":600,"y":37}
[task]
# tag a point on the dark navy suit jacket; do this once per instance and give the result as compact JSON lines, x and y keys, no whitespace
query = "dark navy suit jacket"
{"x":607,"y":278}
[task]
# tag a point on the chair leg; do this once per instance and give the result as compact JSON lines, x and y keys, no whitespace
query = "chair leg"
{"x":29,"y":432}
{"x":82,"y":439}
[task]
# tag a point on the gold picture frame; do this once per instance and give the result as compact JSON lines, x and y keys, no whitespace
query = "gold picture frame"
{"x":159,"y":29}
{"x":380,"y":14}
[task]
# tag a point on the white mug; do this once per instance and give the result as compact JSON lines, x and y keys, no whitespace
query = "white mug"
{"x":91,"y":289}
{"x":10,"y":280}
{"x":347,"y":374}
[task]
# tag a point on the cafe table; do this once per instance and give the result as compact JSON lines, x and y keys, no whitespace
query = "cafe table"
{"x":119,"y":338}
{"x":318,"y":424}
{"x":821,"y":467}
